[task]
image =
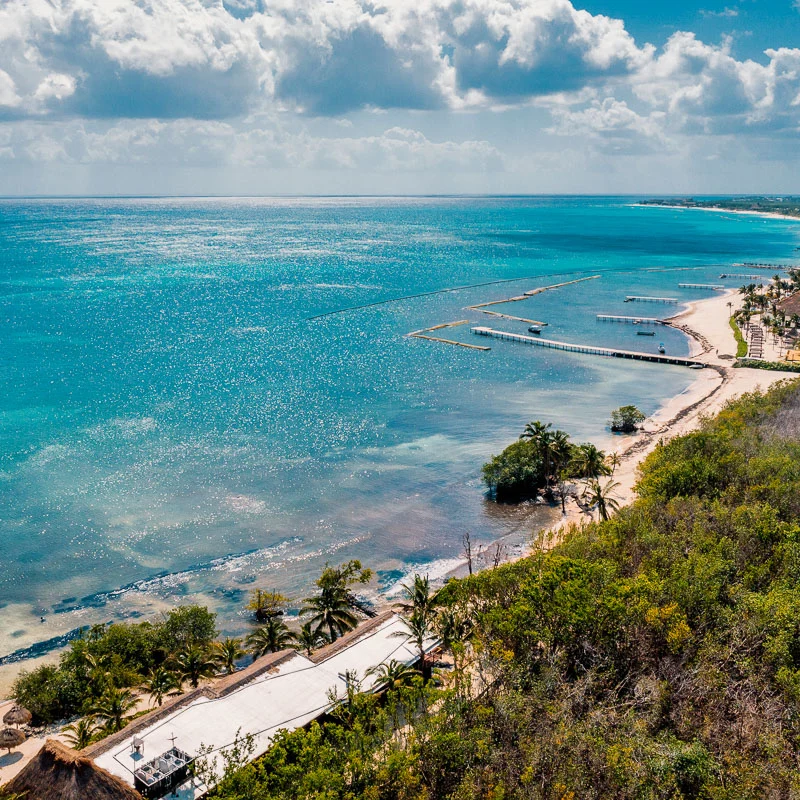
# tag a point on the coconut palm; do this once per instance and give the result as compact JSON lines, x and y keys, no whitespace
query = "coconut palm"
{"x":601,"y":498}
{"x":418,"y":631}
{"x":226,"y":653}
{"x":193,"y":664}
{"x":80,"y":733}
{"x":612,"y":462}
{"x":270,"y":638}
{"x":160,"y":683}
{"x":331,"y":609}
{"x":113,"y":706}
{"x":308,"y":639}
{"x":588,"y":462}
{"x":394,"y":674}
{"x":418,"y":595}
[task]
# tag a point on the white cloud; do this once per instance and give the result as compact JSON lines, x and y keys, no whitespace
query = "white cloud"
{"x":8,"y":91}
{"x":207,"y":143}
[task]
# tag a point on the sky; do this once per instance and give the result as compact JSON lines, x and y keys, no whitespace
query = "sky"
{"x":287,"y":97}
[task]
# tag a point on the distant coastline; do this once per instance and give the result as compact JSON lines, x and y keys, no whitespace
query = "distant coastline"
{"x":781,"y":208}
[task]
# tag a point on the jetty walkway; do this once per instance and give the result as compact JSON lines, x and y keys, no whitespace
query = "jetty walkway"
{"x":632,"y":298}
{"x":631,"y":320}
{"x":609,"y":352}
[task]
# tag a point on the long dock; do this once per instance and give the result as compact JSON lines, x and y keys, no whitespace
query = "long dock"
{"x":633,"y":320}
{"x":587,"y":349}
{"x":423,"y":333}
{"x":763,"y":265}
{"x":742,"y":275}
{"x":715,"y":286}
{"x":632,"y":298}
{"x":510,"y":316}
{"x":529,"y":293}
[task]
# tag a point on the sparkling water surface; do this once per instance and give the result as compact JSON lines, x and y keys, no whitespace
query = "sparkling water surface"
{"x":173,"y":427}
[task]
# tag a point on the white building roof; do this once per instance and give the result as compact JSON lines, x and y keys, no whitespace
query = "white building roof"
{"x":293,"y":694}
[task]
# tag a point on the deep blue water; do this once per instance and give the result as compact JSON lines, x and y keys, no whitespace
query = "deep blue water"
{"x":171,"y":422}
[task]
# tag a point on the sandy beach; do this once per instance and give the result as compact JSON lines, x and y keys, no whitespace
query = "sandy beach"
{"x":740,"y":211}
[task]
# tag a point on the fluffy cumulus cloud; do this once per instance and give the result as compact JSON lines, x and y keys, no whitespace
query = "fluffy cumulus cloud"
{"x":198,"y":72}
{"x":214,"y":60}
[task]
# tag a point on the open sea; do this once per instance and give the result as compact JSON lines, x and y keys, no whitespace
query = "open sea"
{"x":174,"y":427}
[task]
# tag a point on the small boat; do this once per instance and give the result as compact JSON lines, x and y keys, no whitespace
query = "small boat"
{"x":534,"y":329}
{"x":645,"y":333}
{"x":661,"y":348}
{"x":697,"y":366}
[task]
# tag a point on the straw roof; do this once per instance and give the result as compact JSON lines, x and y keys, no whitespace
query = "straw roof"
{"x":11,"y":738}
{"x":17,"y":716}
{"x":58,"y":773}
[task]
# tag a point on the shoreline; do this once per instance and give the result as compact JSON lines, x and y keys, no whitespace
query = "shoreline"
{"x":741,"y":211}
{"x":706,"y":324}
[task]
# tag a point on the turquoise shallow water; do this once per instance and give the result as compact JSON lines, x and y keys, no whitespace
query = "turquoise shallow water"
{"x":173,"y":427}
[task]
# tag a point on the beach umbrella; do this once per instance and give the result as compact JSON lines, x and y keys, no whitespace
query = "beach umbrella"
{"x":11,"y":738}
{"x":17,"y":716}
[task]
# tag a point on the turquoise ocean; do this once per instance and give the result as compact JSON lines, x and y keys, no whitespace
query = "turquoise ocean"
{"x":174,"y":427}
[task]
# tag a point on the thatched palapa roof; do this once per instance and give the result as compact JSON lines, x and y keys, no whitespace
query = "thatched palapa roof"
{"x":17,"y":716}
{"x":58,"y":773}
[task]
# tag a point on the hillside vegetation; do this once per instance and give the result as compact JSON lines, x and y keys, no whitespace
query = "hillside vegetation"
{"x":655,"y":655}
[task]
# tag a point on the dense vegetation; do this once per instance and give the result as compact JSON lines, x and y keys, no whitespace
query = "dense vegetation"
{"x":741,"y":344}
{"x":542,"y":460}
{"x":653,"y":655}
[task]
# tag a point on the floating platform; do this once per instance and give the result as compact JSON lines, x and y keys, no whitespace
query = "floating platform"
{"x":632,"y":320}
{"x":715,"y":286}
{"x":609,"y":352}
{"x":632,"y":298}
{"x":424,"y":333}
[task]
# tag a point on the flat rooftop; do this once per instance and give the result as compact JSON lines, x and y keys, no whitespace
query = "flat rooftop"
{"x":291,"y":694}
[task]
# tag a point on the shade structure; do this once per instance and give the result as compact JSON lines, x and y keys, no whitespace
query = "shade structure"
{"x":11,"y":738}
{"x":17,"y":716}
{"x":58,"y":773}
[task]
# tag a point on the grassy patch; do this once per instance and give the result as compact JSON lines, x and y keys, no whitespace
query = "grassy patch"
{"x":741,"y":344}
{"x":774,"y":366}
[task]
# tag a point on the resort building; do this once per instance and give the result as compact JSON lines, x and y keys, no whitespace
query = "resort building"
{"x":154,"y":755}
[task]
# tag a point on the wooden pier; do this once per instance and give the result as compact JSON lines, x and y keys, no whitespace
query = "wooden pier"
{"x":529,"y":293}
{"x":764,"y":265}
{"x":632,"y":298}
{"x":715,"y":286}
{"x":608,"y":352}
{"x":742,"y":275}
{"x":632,"y":320}
{"x":424,"y":334}
{"x":510,"y":316}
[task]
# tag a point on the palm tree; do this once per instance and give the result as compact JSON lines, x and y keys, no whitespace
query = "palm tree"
{"x":600,"y":496}
{"x":393,"y":675}
{"x":418,"y":631}
{"x":226,"y":653}
{"x":113,"y":706}
{"x":418,"y":595}
{"x":541,"y":435}
{"x":81,"y":733}
{"x":193,"y":664}
{"x":160,"y":683}
{"x":612,"y":462}
{"x":270,"y":638}
{"x":331,"y":609}
{"x":559,"y":451}
{"x":309,"y":639}
{"x":588,"y":462}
